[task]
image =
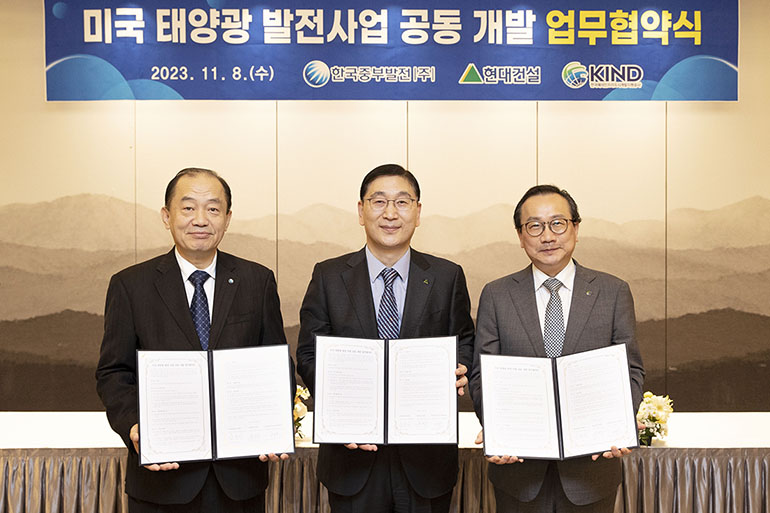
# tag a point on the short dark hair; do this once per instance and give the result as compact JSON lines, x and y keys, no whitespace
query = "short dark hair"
{"x":196,"y":171}
{"x":389,"y":170}
{"x":539,"y":190}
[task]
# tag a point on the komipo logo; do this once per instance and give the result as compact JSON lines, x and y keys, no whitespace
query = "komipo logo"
{"x":316,"y":74}
{"x":574,"y":75}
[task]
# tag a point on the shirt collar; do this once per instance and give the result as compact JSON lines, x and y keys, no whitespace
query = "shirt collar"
{"x":188,"y":268}
{"x":566,"y":276}
{"x":376,"y":267}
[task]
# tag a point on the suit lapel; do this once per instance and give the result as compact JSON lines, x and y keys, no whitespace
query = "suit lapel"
{"x":583,"y":298}
{"x":359,"y":289}
{"x":522,"y":294}
{"x":418,"y":289}
{"x":171,"y":290}
{"x":227,"y":283}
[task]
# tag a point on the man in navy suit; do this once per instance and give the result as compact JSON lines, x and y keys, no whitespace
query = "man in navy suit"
{"x":343,"y":299}
{"x":149,"y":307}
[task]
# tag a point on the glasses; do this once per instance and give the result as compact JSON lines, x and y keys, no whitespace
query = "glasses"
{"x":379,"y":204}
{"x":557,"y":226}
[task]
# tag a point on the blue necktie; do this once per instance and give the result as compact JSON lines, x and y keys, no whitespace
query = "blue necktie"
{"x":553,"y":333}
{"x":199,"y":308}
{"x":387,"y":317}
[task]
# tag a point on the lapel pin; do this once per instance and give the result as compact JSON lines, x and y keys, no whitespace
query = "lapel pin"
{"x":425,"y":281}
{"x":588,"y":292}
{"x":230,"y":280}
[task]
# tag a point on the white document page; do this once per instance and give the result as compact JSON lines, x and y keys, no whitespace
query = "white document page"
{"x":174,"y":410}
{"x":595,"y":398}
{"x":519,"y":407}
{"x":253,"y":401}
{"x":349,"y":390}
{"x":422,"y":398}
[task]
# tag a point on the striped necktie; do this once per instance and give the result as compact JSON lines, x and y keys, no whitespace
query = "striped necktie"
{"x":387,"y":317}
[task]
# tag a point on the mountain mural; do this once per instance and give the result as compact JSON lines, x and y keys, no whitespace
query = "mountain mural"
{"x":94,"y":222}
{"x":697,"y":282}
{"x":700,"y":283}
{"x":48,"y":362}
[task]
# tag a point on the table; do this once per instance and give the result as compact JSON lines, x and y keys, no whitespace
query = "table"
{"x":90,"y":480}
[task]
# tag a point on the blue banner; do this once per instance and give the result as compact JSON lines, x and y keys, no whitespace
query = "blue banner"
{"x":429,"y":50}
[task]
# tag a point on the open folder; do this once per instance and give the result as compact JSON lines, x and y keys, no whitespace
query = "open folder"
{"x":557,"y":408}
{"x":381,"y":391}
{"x":209,"y":405}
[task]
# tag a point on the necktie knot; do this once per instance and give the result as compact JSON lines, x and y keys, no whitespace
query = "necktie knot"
{"x":198,"y":278}
{"x":552,"y":284}
{"x":389,"y":276}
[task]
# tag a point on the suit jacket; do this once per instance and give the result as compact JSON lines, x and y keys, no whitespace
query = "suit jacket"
{"x":339,"y":302}
{"x":601,"y":314}
{"x":147,"y":308}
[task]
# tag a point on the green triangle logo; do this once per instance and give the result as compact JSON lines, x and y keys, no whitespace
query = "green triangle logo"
{"x":471,"y":75}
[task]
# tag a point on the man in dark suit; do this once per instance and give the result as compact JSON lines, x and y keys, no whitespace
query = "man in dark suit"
{"x":344,"y":298}
{"x":149,"y":307}
{"x":551,"y":308}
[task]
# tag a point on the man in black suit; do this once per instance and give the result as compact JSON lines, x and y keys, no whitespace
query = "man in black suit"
{"x":554,"y":307}
{"x":149,"y":307}
{"x":344,"y":299}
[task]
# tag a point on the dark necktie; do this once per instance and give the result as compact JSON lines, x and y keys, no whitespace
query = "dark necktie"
{"x":199,"y":308}
{"x":553,"y":333}
{"x":387,"y":317}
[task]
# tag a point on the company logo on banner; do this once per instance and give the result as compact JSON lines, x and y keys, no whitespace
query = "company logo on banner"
{"x":448,"y":50}
{"x":602,"y":76}
{"x":316,"y":73}
{"x":574,"y":75}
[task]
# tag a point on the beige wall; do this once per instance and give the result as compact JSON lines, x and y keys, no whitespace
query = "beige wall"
{"x":675,"y":199}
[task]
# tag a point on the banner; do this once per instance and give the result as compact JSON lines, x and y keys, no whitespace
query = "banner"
{"x":373,"y":50}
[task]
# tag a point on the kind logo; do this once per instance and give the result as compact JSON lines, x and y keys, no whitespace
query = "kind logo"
{"x":574,"y":75}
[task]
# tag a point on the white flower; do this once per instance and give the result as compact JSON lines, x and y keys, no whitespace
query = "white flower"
{"x":654,"y":412}
{"x":302,"y":393}
{"x":300,"y":410}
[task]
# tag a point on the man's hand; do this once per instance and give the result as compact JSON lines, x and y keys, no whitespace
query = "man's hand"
{"x":461,"y":379}
{"x":497,"y":460}
{"x":614,"y":452}
{"x":363,"y":447}
{"x":155,"y":467}
{"x":273,"y":457}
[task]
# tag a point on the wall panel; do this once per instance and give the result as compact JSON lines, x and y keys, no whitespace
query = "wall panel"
{"x":611,"y":158}
{"x":237,"y":139}
{"x":67,"y":201}
{"x":719,"y":238}
{"x":324,"y":151}
{"x":473,"y":161}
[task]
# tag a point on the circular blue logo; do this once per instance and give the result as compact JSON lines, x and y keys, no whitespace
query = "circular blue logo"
{"x":574,"y":75}
{"x":316,"y":74}
{"x":60,"y":10}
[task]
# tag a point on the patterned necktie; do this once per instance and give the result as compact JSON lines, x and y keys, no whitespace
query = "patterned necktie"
{"x":199,"y":308}
{"x":387,"y":317}
{"x":553,"y":333}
